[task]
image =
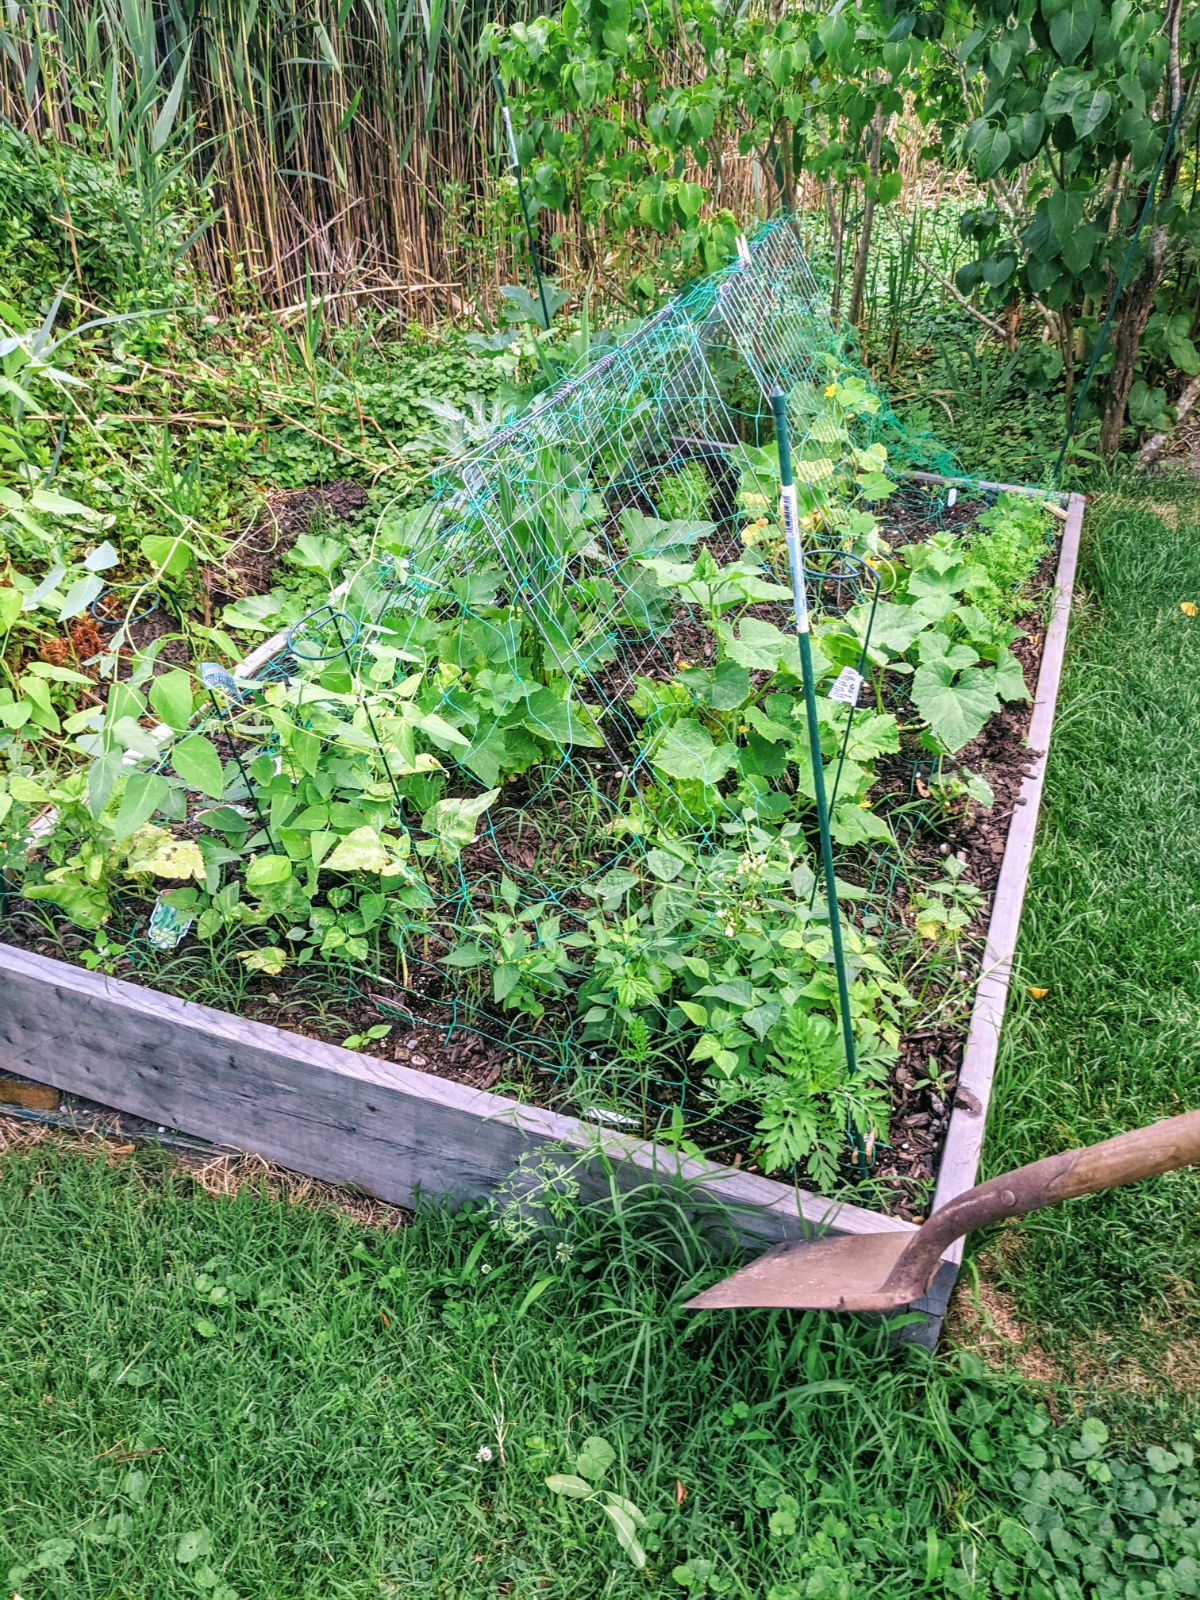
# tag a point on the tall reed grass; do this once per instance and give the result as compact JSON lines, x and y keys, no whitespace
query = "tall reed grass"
{"x":345,"y":150}
{"x":345,"y":146}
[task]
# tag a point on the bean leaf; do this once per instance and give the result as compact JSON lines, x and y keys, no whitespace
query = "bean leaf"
{"x":144,"y":793}
{"x":171,"y":696}
{"x":196,"y":761}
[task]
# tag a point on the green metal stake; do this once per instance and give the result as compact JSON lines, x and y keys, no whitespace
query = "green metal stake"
{"x":515,"y":163}
{"x":791,"y":525}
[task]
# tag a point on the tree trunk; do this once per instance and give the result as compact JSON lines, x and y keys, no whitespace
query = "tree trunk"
{"x":1132,"y":314}
{"x":868,"y":219}
{"x":835,"y":234}
{"x":1137,"y":300}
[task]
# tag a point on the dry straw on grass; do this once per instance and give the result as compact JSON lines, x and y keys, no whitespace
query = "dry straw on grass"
{"x":221,"y":1173}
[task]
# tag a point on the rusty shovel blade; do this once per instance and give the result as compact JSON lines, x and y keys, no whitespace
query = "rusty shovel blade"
{"x":886,"y":1270}
{"x":843,"y":1274}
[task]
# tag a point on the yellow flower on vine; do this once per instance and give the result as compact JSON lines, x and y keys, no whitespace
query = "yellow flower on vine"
{"x":831,"y":391}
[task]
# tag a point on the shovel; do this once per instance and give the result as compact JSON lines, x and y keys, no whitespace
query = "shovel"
{"x":886,"y":1271}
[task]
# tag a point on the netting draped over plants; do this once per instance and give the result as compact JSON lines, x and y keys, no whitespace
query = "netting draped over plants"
{"x":537,"y":782}
{"x":568,"y":588}
{"x":601,"y":474}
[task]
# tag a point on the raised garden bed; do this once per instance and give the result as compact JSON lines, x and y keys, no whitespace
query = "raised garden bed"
{"x":402,"y":1134}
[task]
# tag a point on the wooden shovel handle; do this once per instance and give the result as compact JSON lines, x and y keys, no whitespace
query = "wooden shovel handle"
{"x":1144,"y":1153}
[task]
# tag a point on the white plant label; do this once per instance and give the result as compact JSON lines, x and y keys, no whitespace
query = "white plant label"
{"x":612,"y":1119}
{"x":846,"y":686}
{"x":166,"y":926}
{"x":512,"y":140}
{"x":952,"y":497}
{"x":789,"y":511}
{"x":213,"y":676}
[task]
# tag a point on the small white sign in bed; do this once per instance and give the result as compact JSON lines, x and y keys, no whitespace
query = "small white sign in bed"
{"x":846,"y":686}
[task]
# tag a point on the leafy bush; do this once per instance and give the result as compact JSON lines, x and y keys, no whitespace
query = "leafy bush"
{"x":362,"y":400}
{"x":684,"y":494}
{"x":67,"y":215}
{"x":33,"y":244}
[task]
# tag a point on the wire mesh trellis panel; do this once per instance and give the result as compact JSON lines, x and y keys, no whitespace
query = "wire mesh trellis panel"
{"x":557,"y":713}
{"x":588,"y":587}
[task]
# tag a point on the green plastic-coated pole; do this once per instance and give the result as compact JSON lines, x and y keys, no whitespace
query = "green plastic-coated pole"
{"x":791,"y":526}
{"x":515,"y":162}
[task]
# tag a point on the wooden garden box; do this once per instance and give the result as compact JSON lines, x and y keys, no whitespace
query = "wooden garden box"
{"x":405,"y":1136}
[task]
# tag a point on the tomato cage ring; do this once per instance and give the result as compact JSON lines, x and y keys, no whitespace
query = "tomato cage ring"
{"x":840,"y":577}
{"x":98,"y":610}
{"x":323,"y":634}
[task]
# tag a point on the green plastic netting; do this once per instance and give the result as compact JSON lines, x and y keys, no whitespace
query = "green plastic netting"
{"x":540,"y":667}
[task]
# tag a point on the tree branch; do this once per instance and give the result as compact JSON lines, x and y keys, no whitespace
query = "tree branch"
{"x":951,"y":287}
{"x":1157,"y":442}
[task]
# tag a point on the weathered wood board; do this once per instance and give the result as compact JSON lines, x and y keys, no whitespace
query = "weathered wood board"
{"x":347,"y":1118}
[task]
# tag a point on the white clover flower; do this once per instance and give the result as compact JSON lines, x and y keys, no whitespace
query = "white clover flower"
{"x":484,"y":1453}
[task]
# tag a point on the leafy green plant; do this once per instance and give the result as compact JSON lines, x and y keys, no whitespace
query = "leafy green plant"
{"x":378,"y":1030}
{"x":592,"y":1464}
{"x":526,"y":952}
{"x":1008,"y":542}
{"x":945,"y":908}
{"x":1041,"y":106}
{"x":684,"y":495}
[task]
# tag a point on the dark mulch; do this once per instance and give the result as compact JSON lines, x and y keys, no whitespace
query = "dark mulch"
{"x":449,"y":1051}
{"x":249,"y":565}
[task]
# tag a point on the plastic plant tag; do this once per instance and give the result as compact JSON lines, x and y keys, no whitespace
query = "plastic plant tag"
{"x":846,"y":686}
{"x":214,"y":677}
{"x":166,"y":926}
{"x":951,"y":497}
{"x":743,"y":250}
{"x":513,"y":156}
{"x":789,"y":512}
{"x":609,"y":1118}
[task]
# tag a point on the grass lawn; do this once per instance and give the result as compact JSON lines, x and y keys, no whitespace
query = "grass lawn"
{"x":258,"y":1398}
{"x":1111,"y":931}
{"x":248,"y":1397}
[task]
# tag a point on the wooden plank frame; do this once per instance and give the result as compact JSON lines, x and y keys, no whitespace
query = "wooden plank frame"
{"x":407,"y":1136}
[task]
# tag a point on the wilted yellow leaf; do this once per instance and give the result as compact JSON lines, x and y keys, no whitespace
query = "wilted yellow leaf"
{"x":272,"y":960}
{"x":153,"y":850}
{"x":1038,"y":994}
